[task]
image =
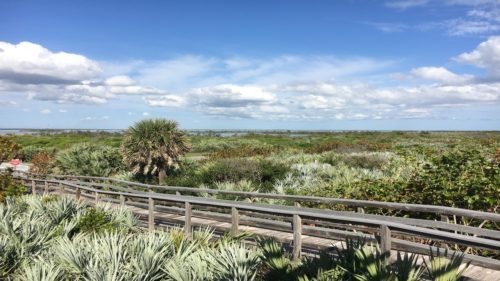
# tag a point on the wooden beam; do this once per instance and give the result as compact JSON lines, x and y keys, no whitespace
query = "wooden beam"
{"x":33,"y":187}
{"x":235,"y":221}
{"x":385,"y":243}
{"x":61,"y":189}
{"x":187,"y":219}
{"x":151,"y":214}
{"x":297,"y":237}
{"x":78,"y":193}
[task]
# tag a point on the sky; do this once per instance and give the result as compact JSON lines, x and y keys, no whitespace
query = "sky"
{"x":260,"y":64}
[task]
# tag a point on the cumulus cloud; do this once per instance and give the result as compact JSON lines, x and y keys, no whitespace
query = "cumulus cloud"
{"x":486,"y":55}
{"x":60,"y":77}
{"x":441,"y":74}
{"x":45,"y":111}
{"x":29,"y":63}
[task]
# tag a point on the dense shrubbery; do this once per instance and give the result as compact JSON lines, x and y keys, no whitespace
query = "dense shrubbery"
{"x":48,"y":238}
{"x":9,"y":149}
{"x":88,"y":159}
{"x":29,"y":152}
{"x":8,"y":187}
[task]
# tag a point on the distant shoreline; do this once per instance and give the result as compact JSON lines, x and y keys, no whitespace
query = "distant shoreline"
{"x":22,"y":131}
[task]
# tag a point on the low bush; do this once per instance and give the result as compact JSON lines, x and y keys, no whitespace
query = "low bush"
{"x":9,"y":149}
{"x":8,"y":187}
{"x":89,"y":160}
{"x":229,"y":170}
{"x":27,"y":153}
{"x":41,"y":163}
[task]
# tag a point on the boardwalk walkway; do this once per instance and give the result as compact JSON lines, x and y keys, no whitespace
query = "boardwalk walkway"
{"x":302,"y":229}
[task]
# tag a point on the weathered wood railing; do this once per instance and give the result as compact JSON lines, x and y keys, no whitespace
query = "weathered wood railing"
{"x":390,"y":232}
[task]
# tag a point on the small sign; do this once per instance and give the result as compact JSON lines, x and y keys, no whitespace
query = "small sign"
{"x":15,"y":162}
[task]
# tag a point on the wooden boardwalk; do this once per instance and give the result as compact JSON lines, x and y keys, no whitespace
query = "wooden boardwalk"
{"x":300,"y":229}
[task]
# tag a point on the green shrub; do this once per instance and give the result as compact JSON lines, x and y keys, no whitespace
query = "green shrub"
{"x":89,"y":160}
{"x":9,"y":188}
{"x":27,"y":153}
{"x":229,"y":170}
{"x":9,"y":149}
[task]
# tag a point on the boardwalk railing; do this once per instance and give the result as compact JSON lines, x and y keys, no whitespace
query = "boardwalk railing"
{"x":396,"y":233}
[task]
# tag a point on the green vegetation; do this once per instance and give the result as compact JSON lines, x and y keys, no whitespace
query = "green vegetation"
{"x":152,"y":146}
{"x":460,"y":169}
{"x":88,"y":159}
{"x":56,"y":238}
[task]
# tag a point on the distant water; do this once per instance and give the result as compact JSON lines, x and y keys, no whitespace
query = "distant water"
{"x":218,"y":133}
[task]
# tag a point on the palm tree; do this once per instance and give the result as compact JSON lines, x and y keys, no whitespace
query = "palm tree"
{"x":153,"y":145}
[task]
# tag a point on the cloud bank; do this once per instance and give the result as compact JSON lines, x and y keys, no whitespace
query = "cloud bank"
{"x":287,"y":87}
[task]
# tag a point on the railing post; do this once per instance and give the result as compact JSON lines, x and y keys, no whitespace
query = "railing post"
{"x":360,"y":210}
{"x":46,"y":191}
{"x":96,"y":197}
{"x":235,"y":221}
{"x":385,"y":243}
{"x":297,"y":237}
{"x":122,"y":200}
{"x":296,"y":204}
{"x":61,"y":189}
{"x":187,"y":216}
{"x":33,"y":187}
{"x":177,"y":193}
{"x":445,"y":218}
{"x":78,"y":193}
{"x":151,"y":214}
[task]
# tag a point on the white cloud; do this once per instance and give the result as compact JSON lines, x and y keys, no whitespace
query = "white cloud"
{"x":93,"y":118}
{"x":63,"y":110}
{"x":7,"y":103}
{"x":145,"y":114}
{"x":486,"y":55}
{"x":441,"y":74}
{"x":405,"y":4}
{"x":30,"y":63}
{"x":45,"y":111}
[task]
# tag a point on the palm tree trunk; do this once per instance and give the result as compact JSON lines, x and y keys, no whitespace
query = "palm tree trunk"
{"x":161,"y":176}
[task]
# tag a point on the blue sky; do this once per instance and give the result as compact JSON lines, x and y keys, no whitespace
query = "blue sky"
{"x":352,"y":64}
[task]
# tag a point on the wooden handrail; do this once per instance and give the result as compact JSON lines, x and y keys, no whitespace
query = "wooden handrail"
{"x":303,"y":212}
{"x":439,"y":210}
{"x":386,"y":227}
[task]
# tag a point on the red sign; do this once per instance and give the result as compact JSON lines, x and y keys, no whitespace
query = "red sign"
{"x":15,"y":162}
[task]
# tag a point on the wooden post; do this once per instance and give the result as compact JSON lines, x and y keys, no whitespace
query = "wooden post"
{"x":61,"y":189}
{"x":96,"y":197}
{"x":78,"y":193}
{"x":46,"y":191}
{"x":151,"y":213}
{"x":296,"y":204}
{"x":177,"y":193}
{"x":360,"y":210}
{"x":445,"y":218}
{"x":33,"y":187}
{"x":297,"y":237}
{"x":187,"y":216}
{"x":385,"y":243}
{"x":235,"y":221}
{"x":122,"y":200}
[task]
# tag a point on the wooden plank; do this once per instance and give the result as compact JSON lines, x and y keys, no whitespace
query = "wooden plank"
{"x":33,"y":187}
{"x":187,"y":215}
{"x":235,"y":221}
{"x":151,"y":214}
{"x":385,"y":243}
{"x":297,"y":237}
